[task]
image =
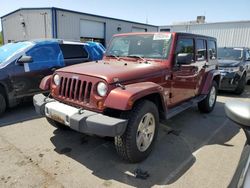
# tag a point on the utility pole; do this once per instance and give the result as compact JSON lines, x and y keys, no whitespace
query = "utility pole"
{"x":45,"y":23}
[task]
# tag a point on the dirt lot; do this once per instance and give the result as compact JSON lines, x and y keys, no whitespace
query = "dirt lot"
{"x":202,"y":151}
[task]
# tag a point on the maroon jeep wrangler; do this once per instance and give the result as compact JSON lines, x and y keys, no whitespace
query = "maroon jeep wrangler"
{"x":143,"y":78}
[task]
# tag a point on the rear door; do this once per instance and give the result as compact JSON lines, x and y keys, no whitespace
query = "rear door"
{"x":74,"y":54}
{"x":201,"y":60}
{"x":184,"y":76}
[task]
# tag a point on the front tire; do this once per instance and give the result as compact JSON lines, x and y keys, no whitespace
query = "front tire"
{"x":3,"y":103}
{"x":137,"y":142}
{"x":207,"y":104}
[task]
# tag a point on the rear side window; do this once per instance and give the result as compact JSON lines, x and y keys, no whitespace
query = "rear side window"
{"x":185,"y":45}
{"x":212,"y":49}
{"x":71,"y":51}
{"x":201,"y":50}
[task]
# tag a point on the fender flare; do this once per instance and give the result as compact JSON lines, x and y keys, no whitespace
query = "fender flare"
{"x":209,"y":80}
{"x":45,"y":83}
{"x":123,"y":99}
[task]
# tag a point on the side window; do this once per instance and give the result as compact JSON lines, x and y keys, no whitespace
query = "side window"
{"x":212,"y":49}
{"x":45,"y":56}
{"x":44,"y":53}
{"x":71,"y":51}
{"x":185,"y":45}
{"x":201,"y":50}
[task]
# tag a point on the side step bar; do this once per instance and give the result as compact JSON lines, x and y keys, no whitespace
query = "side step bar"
{"x":185,"y":105}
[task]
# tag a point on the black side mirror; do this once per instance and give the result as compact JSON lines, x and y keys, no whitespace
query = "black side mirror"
{"x":25,"y":59}
{"x":184,"y":58}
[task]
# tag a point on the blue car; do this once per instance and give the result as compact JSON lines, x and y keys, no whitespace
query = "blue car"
{"x":24,"y":64}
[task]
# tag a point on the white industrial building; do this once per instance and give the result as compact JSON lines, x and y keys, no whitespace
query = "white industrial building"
{"x":33,"y":23}
{"x":228,"y":34}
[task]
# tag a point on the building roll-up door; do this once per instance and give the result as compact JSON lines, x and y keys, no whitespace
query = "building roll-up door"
{"x":138,"y":29}
{"x":92,"y":31}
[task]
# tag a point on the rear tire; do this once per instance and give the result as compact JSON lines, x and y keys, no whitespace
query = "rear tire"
{"x":57,"y":124}
{"x":241,"y":85}
{"x":207,"y":104}
{"x":3,"y":103}
{"x":137,"y":142}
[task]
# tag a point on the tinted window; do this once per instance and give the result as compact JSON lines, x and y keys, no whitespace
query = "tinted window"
{"x":185,"y":45}
{"x":71,"y":51}
{"x":201,"y":50}
{"x":211,"y":45}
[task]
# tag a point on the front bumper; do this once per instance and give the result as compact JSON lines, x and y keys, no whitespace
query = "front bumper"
{"x":83,"y":121}
{"x":229,"y":81}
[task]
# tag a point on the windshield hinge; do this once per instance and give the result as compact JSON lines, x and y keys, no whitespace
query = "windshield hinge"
{"x":121,"y":86}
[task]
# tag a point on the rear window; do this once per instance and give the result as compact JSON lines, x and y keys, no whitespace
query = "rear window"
{"x":201,"y":50}
{"x":211,"y":45}
{"x":73,"y":51}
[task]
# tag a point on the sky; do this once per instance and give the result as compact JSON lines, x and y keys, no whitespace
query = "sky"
{"x":155,"y":12}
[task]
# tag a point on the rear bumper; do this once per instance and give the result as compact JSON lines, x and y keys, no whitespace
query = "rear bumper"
{"x":84,"y":121}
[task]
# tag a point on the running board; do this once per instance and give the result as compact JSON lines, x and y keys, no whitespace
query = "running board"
{"x":185,"y":105}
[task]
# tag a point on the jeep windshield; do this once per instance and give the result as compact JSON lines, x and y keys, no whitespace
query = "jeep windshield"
{"x":230,"y":53}
{"x":8,"y":51}
{"x":151,"y":46}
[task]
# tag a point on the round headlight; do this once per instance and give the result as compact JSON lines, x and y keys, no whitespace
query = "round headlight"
{"x":56,"y":79}
{"x":102,"y":89}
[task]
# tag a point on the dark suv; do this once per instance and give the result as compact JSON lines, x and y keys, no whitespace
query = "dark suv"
{"x":24,"y":64}
{"x":143,"y":78}
{"x":234,"y":65}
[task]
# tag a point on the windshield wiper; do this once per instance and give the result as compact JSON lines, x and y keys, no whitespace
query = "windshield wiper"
{"x":112,"y":55}
{"x":138,"y":56}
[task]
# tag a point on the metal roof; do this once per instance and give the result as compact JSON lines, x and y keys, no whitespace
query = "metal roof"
{"x":77,"y":12}
{"x":208,"y":23}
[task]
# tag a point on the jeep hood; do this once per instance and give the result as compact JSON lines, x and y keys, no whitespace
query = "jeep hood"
{"x":113,"y":70}
{"x":228,"y":63}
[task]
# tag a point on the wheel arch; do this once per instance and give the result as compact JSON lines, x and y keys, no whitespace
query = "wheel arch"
{"x":216,"y":78}
{"x":157,"y":100}
{"x":124,"y":100}
{"x":213,"y":75}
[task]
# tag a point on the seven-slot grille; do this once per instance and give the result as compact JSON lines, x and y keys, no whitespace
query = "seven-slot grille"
{"x":75,"y":89}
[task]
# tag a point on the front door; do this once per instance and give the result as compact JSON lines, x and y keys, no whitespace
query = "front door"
{"x":26,"y":77}
{"x":184,"y":76}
